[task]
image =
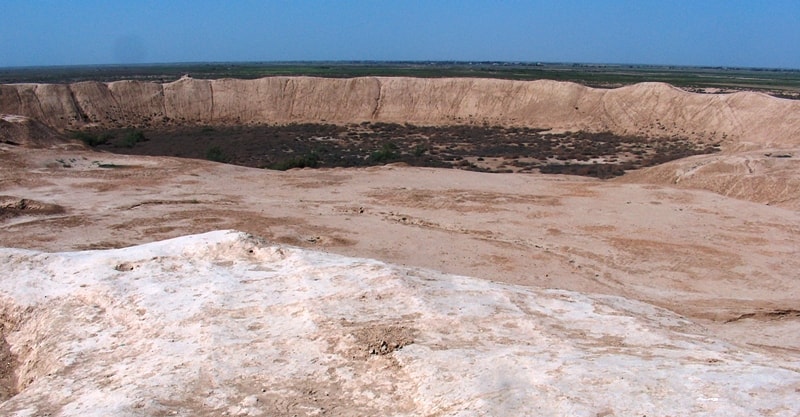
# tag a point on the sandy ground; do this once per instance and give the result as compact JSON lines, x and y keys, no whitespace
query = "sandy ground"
{"x":727,"y":264}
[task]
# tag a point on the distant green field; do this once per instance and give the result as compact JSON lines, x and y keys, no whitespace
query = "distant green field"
{"x":778,"y":82}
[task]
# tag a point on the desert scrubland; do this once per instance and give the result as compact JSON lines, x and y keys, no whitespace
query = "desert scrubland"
{"x":669,"y":290}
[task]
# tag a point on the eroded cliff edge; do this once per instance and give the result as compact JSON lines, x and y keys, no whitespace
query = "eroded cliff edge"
{"x":652,"y":109}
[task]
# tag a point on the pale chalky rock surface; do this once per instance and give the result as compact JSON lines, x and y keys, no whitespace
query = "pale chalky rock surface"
{"x":225,"y":323}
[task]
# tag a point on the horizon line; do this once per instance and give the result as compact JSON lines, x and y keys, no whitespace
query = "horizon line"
{"x":406,"y":62}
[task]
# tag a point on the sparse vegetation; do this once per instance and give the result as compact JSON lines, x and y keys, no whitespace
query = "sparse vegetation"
{"x":470,"y":147}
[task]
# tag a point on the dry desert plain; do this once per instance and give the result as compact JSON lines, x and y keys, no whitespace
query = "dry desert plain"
{"x":670,"y":290}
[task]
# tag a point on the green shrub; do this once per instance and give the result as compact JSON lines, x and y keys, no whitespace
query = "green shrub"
{"x":216,"y":154}
{"x":385,"y":154}
{"x":309,"y":160}
{"x":132,"y":138}
{"x":92,"y":139}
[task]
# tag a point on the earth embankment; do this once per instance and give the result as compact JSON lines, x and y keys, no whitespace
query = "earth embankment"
{"x":741,"y":120}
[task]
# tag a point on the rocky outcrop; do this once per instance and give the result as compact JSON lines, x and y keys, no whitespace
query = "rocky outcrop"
{"x":742,"y":120}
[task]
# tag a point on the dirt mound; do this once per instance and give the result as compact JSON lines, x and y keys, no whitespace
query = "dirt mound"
{"x":650,"y":109}
{"x":14,"y":206}
{"x":23,"y":131}
{"x":765,"y":176}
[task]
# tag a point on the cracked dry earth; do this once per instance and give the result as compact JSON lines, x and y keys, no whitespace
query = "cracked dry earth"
{"x":726,"y":266}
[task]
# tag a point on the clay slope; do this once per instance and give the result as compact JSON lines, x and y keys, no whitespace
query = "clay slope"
{"x":739,"y":119}
{"x":23,"y":131}
{"x":768,"y":176}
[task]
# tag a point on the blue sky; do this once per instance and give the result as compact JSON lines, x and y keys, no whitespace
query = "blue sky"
{"x":675,"y":32}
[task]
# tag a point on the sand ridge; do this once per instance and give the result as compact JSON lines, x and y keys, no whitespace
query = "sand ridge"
{"x":767,"y":176}
{"x":652,"y":109}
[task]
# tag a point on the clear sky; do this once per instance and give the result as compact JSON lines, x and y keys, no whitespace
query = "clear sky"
{"x":752,"y":33}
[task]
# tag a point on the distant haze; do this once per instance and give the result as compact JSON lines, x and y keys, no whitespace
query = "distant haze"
{"x":712,"y":32}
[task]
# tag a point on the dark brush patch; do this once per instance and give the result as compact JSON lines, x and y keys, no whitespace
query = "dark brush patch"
{"x":469,"y":147}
